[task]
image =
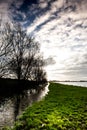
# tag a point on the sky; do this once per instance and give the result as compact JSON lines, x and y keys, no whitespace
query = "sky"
{"x":60,"y":26}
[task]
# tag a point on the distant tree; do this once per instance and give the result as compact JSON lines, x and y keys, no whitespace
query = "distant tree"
{"x":20,"y":56}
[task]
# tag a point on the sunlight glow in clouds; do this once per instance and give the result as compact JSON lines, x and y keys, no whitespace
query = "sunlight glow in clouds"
{"x":64,"y":38}
{"x":60,"y":26}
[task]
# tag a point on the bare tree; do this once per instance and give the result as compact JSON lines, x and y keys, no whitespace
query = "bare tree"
{"x":5,"y":50}
{"x":20,"y":55}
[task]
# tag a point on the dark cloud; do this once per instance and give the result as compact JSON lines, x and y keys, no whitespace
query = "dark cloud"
{"x":33,"y":9}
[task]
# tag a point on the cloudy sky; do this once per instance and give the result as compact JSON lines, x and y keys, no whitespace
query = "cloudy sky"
{"x":60,"y":26}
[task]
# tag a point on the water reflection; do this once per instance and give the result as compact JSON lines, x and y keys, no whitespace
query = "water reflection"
{"x":14,"y":106}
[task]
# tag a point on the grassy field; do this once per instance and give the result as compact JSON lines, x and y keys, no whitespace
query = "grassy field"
{"x":64,"y":108}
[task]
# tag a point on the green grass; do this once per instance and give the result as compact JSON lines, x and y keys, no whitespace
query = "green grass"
{"x":64,"y":108}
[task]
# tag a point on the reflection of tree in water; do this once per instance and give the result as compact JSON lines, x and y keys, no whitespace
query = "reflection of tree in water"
{"x":13,"y":105}
{"x":16,"y":106}
{"x":27,"y":98}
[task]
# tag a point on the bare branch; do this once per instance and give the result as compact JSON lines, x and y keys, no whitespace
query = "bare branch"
{"x":20,"y":55}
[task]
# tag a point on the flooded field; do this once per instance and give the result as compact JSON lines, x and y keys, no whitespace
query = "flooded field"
{"x":11,"y":107}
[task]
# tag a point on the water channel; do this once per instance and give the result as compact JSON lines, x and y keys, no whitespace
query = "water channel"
{"x":12,"y":107}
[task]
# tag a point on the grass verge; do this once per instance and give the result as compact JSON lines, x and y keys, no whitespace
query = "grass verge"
{"x":64,"y":108}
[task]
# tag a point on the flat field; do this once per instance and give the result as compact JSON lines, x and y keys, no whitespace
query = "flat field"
{"x":64,"y":108}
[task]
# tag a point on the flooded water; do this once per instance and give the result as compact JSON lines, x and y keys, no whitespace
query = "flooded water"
{"x":14,"y":106}
{"x":82,"y":84}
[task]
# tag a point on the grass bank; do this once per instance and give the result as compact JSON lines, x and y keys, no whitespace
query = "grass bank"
{"x":64,"y":108}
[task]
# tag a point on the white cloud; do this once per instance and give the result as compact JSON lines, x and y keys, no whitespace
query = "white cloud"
{"x":61,"y":28}
{"x":6,"y":11}
{"x":64,"y":38}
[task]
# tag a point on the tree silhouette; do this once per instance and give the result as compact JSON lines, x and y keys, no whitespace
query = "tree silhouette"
{"x":20,"y":56}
